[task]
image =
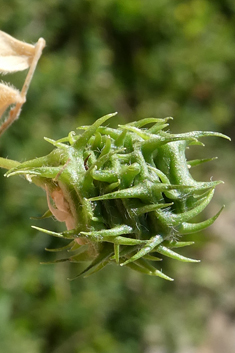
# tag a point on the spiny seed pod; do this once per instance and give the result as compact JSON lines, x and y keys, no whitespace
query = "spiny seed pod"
{"x":126,"y":195}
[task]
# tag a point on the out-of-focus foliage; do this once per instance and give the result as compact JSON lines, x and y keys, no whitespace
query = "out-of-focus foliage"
{"x":140,"y":58}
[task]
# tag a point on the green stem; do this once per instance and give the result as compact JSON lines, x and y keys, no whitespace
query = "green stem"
{"x":8,"y":163}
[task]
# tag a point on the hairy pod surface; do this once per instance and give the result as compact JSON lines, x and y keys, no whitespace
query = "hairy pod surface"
{"x":126,"y":195}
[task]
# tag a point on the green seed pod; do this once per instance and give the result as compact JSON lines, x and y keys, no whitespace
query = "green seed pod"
{"x":126,"y":195}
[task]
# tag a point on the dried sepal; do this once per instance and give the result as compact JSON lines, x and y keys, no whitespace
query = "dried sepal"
{"x":16,"y":56}
{"x":8,"y":96}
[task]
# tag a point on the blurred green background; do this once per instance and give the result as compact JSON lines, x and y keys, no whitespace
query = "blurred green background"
{"x":141,"y":58}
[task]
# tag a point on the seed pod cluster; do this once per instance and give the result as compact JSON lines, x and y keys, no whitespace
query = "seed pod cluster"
{"x":126,"y":195}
